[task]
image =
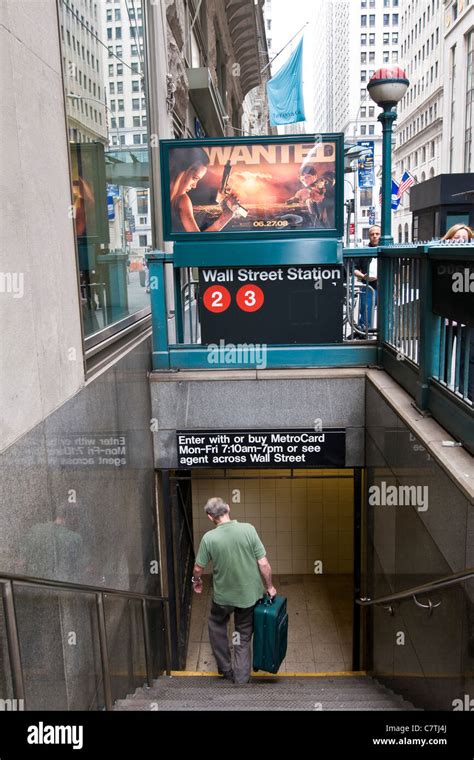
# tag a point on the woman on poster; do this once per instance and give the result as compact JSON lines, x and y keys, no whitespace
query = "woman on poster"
{"x":186,"y":172}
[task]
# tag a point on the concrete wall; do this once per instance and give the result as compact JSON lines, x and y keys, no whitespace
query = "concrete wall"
{"x":413,"y":544}
{"x":41,"y":359}
{"x":108,"y":538}
{"x":267,"y":399}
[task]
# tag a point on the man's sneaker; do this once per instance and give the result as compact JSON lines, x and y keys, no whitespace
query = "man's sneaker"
{"x":228,"y":675}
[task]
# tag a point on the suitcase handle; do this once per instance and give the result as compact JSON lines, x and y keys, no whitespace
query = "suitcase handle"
{"x":267,"y":599}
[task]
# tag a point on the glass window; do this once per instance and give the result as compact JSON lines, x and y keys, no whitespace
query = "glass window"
{"x":386,"y":19}
{"x":363,"y":39}
{"x":136,"y":121}
{"x":371,"y":39}
{"x":107,"y":194}
{"x":135,"y":85}
{"x":372,"y":19}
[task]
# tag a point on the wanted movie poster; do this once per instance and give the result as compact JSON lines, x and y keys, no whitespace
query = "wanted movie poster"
{"x":267,"y":186}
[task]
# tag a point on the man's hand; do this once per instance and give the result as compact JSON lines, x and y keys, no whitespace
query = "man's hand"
{"x":198,"y":586}
{"x":272,"y":592}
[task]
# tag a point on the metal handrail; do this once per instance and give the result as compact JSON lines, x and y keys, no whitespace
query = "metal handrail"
{"x":448,"y":580}
{"x":13,"y":641}
{"x":83,"y":587}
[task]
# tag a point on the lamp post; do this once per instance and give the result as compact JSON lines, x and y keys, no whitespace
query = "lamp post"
{"x":386,"y":88}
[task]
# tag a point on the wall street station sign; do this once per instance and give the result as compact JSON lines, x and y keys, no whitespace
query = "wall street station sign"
{"x":261,"y":448}
{"x":272,"y":305}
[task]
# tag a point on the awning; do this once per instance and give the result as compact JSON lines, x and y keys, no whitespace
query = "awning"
{"x":241,"y":19}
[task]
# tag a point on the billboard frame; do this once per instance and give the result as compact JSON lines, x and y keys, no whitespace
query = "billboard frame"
{"x":263,"y":233}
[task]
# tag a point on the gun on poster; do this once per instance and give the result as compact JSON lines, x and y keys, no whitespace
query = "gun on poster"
{"x":224,"y":193}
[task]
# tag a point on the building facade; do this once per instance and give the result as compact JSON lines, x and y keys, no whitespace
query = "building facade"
{"x":458,"y":112}
{"x":419,"y":134}
{"x":357,"y":38}
{"x":82,"y":59}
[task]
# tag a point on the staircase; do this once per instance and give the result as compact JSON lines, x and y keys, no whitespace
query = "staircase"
{"x":207,"y":692}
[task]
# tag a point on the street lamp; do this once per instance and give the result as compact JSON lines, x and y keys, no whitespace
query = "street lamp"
{"x":386,"y":88}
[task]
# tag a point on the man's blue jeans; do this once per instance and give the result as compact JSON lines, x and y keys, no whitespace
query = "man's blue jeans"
{"x":367,"y":302}
{"x":242,"y":637}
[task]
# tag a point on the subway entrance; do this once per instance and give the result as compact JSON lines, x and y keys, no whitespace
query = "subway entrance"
{"x":309,"y":522}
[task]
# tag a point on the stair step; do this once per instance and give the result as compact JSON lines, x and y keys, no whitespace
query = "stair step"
{"x":196,"y":693}
{"x":166,"y":706}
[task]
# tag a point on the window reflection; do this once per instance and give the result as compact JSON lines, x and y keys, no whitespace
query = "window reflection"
{"x":107,"y":128}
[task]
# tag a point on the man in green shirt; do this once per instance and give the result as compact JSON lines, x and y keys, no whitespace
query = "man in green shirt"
{"x":239,"y":566}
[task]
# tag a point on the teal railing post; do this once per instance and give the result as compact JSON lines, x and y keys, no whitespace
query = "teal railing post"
{"x":159,"y":316}
{"x":178,"y":305}
{"x":385,"y":302}
{"x":387,"y":117}
{"x":430,"y":326}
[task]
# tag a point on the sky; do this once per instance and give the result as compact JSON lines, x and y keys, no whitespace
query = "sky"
{"x":287,"y":17}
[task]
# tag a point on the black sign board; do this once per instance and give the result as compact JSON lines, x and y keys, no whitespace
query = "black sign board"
{"x":262,"y":448}
{"x":272,"y":305}
{"x":453,"y":291}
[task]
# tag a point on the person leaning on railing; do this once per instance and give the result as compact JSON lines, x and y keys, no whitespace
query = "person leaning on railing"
{"x":368,"y":297}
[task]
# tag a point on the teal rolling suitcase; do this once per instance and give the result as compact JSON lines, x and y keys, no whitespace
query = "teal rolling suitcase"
{"x":270,"y":633}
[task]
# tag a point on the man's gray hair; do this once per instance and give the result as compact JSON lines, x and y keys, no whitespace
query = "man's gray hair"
{"x":216,"y":507}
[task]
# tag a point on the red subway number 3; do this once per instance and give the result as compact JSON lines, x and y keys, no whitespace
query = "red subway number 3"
{"x":250,"y":298}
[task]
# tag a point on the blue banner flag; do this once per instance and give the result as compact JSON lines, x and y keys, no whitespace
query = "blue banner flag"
{"x":395,"y":197}
{"x":366,"y":164}
{"x":285,"y":91}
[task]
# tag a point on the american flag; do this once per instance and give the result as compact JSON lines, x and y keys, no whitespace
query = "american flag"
{"x":406,"y":182}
